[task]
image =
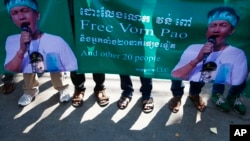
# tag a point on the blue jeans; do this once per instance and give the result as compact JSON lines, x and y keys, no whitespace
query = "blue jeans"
{"x":127,"y":87}
{"x":177,"y":87}
{"x":234,"y":90}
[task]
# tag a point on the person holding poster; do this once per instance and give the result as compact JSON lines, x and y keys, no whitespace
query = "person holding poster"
{"x":215,"y":61}
{"x":126,"y":96}
{"x":78,"y":79}
{"x":8,"y":83}
{"x":33,"y":51}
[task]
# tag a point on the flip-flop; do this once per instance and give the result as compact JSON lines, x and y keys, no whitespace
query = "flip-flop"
{"x":198,"y":102}
{"x":175,"y":104}
{"x":123,"y":102}
{"x":102,"y":98}
{"x":77,"y":99}
{"x":148,"y":105}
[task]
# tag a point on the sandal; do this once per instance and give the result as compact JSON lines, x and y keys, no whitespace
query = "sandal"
{"x":148,"y":105}
{"x":175,"y":103}
{"x":198,"y":102}
{"x":123,"y":102}
{"x":8,"y":88}
{"x":77,"y":99}
{"x":102,"y":98}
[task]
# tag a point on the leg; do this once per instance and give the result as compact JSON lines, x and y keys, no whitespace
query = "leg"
{"x":233,"y":97}
{"x":218,"y":88}
{"x":236,"y":90}
{"x":57,"y":82}
{"x":127,"y":91}
{"x":147,"y":100}
{"x":99,"y":89}
{"x":126,"y":86}
{"x":194,"y":91}
{"x":78,"y":81}
{"x":177,"y":89}
{"x":30,"y":88}
{"x":218,"y":97}
{"x":31,"y":83}
{"x":146,"y":88}
{"x":99,"y":79}
{"x":195,"y":88}
{"x":8,"y":80}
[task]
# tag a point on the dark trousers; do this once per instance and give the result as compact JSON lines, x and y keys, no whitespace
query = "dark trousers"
{"x":8,"y":78}
{"x":177,"y":87}
{"x":234,"y":90}
{"x":127,"y":87}
{"x":78,"y":79}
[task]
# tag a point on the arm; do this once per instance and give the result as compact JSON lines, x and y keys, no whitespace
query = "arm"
{"x":14,"y":60}
{"x":15,"y":64}
{"x":190,"y":59}
{"x":184,"y":72}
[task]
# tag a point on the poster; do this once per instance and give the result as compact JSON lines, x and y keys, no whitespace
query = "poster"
{"x":145,"y":38}
{"x":140,"y":38}
{"x":44,"y":53}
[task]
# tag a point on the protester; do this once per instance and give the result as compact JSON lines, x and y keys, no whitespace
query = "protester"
{"x":78,"y":79}
{"x":216,"y":61}
{"x":33,"y":51}
{"x":8,"y":83}
{"x":126,"y":96}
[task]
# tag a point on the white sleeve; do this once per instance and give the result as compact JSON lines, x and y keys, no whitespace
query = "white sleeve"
{"x":240,"y":70}
{"x":67,"y":57}
{"x":12,"y":45}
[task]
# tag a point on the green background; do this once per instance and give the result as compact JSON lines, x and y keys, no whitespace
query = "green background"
{"x":56,"y":14}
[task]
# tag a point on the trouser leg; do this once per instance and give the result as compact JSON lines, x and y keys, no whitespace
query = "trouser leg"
{"x":57,"y":81}
{"x":30,"y":83}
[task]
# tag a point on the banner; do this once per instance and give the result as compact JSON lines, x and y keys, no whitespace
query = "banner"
{"x":141,"y":38}
{"x":145,"y":38}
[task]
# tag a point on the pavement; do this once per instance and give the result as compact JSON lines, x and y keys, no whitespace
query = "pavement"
{"x":45,"y":119}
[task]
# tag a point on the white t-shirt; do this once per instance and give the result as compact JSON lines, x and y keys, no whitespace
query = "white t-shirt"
{"x":57,"y":54}
{"x":231,"y":64}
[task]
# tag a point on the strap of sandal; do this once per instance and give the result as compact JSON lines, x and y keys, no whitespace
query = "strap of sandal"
{"x":148,"y":105}
{"x":103,"y":95}
{"x":123,"y":102}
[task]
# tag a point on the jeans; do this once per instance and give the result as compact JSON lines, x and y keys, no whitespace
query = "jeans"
{"x":127,"y":87}
{"x":177,"y":87}
{"x":234,"y":90}
{"x":78,"y":79}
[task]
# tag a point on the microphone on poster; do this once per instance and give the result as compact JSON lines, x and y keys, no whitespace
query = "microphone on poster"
{"x":25,"y":27}
{"x":211,"y":39}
